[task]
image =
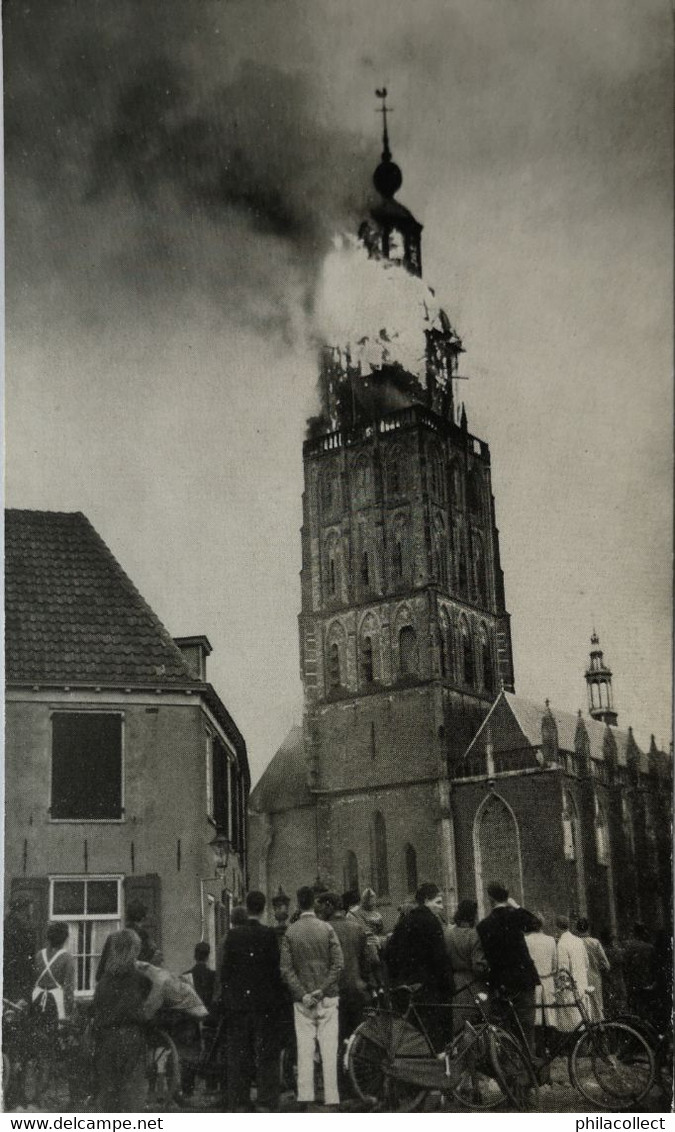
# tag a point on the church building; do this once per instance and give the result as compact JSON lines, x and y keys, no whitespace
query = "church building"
{"x":415,"y":760}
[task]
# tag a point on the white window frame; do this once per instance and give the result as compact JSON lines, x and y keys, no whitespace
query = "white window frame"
{"x":82,"y":709}
{"x":66,"y":918}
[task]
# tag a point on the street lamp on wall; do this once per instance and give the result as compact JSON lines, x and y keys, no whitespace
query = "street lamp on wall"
{"x":220,"y":847}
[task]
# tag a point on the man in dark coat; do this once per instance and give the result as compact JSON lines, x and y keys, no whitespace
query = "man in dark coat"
{"x":511,"y":969}
{"x":252,"y":997}
{"x":416,"y":953}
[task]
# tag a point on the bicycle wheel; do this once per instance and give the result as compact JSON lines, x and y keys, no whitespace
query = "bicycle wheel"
{"x":367,"y":1061}
{"x":162,"y":1068}
{"x":513,"y":1069}
{"x":612,"y":1066}
{"x":472,"y":1077}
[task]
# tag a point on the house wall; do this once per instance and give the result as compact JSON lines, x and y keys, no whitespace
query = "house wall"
{"x":164,"y":831}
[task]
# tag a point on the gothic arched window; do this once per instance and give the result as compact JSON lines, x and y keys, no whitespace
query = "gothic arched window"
{"x":410,"y":869}
{"x":602,"y":848}
{"x":456,"y":484}
{"x":367,"y":666}
{"x":628,"y":826}
{"x":380,"y":866}
{"x":396,"y":472}
{"x":326,"y":492}
{"x":467,"y":654}
{"x":332,"y":565}
{"x":407,"y":649}
{"x":399,"y":552}
{"x":474,"y":492}
{"x":479,"y":582}
{"x":334,"y":670}
{"x":487,"y":674}
{"x":363,"y":480}
{"x":365,"y":570}
{"x":441,"y":551}
{"x":436,"y":477}
{"x":442,"y":651}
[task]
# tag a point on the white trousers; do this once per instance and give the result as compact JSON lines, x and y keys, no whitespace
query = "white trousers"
{"x":318,"y":1024}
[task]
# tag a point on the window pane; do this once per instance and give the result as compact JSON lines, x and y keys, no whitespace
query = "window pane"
{"x":102,"y":897}
{"x":86,"y":765}
{"x":68,"y":897}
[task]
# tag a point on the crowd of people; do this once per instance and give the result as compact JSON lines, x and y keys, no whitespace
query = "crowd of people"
{"x":304,"y":986}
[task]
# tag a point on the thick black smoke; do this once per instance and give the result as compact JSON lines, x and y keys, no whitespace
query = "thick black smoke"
{"x":130,"y":160}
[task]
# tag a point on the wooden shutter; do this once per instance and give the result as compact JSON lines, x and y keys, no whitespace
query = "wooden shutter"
{"x":37,"y":891}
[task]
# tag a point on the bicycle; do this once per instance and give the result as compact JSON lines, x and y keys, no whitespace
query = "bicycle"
{"x":661,"y":1044}
{"x":609,"y":1063}
{"x":162,"y":1066}
{"x":42,"y":1071}
{"x":391,"y":1061}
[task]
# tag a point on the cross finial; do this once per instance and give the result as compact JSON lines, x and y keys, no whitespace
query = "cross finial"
{"x":384,"y":110}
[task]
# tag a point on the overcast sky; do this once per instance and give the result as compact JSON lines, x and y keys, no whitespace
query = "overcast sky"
{"x":175,"y":173}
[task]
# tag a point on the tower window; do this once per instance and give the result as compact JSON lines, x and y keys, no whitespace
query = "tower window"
{"x":367,"y":666}
{"x":486,"y":661}
{"x":398,"y":558}
{"x":334,"y":674}
{"x":407,"y":647}
{"x":442,"y":652}
{"x":475,"y":492}
{"x":467,"y":655}
{"x":326,"y":493}
{"x":365,"y":569}
{"x":332,"y":580}
{"x":479,"y":569}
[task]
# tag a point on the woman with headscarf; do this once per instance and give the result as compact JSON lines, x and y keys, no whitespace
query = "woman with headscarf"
{"x":467,"y":962}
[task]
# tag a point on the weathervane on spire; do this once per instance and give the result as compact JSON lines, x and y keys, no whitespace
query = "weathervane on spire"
{"x":384,"y":110}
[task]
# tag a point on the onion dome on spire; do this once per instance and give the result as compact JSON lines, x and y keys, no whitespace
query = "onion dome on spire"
{"x":392,"y":232}
{"x":387,"y":178}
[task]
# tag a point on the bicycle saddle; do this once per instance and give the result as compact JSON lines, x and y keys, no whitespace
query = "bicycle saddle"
{"x":411,"y":988}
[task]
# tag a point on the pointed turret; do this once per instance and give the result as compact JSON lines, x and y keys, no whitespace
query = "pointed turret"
{"x":599,"y":684}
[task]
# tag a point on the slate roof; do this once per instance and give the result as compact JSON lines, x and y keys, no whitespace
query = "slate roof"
{"x":528,"y":716}
{"x":72,"y":615}
{"x":283,"y":786}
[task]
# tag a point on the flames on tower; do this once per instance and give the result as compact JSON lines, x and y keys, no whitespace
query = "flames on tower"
{"x":386,"y":342}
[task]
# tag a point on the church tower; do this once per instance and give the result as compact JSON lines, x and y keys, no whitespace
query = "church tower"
{"x":599,"y":684}
{"x":404,"y":634}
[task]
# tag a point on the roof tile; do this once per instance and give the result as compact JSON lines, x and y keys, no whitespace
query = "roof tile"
{"x":72,"y":613}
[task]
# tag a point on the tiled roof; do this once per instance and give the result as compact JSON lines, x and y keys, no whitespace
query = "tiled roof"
{"x":71,"y":613}
{"x":283,"y":786}
{"x":528,"y":715}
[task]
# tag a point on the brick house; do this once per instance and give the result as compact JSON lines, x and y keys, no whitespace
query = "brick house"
{"x":404,"y":644}
{"x":124,"y":772}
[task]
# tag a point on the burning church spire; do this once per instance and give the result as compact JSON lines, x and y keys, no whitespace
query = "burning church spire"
{"x":386,"y":342}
